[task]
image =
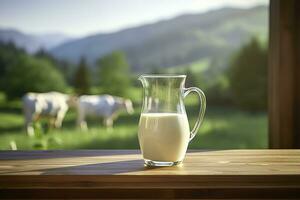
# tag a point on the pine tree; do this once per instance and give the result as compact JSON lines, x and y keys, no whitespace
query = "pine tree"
{"x":248,"y":77}
{"x":82,"y":78}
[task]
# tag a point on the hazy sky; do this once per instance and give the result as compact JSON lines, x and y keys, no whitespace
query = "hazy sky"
{"x":83,"y":17}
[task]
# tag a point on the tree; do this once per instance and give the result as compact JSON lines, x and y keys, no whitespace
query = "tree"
{"x":248,"y":77}
{"x":29,"y":74}
{"x":8,"y":57}
{"x":21,"y":73}
{"x":82,"y":80}
{"x":114,"y":73}
{"x":62,"y":65}
{"x":41,"y":53}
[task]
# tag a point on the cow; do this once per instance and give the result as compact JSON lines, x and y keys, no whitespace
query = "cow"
{"x":105,"y":106}
{"x":53,"y":105}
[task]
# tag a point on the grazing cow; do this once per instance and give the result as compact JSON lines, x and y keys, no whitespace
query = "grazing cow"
{"x":52,"y":104}
{"x":105,"y":106}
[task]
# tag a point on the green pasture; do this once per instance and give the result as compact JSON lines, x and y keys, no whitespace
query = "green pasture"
{"x":223,"y":128}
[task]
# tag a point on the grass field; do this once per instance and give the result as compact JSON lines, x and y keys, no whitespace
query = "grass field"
{"x":223,"y":128}
{"x":195,"y":67}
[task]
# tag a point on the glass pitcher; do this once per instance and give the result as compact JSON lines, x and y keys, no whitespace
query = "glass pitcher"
{"x":164,"y":131}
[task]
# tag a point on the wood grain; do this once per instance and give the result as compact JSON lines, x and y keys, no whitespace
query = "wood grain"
{"x":121,"y":174}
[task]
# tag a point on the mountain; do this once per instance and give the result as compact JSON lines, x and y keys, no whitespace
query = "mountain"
{"x":32,"y":43}
{"x":52,"y":40}
{"x":184,"y":39}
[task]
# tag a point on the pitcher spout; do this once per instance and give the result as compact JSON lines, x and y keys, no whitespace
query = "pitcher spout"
{"x":142,"y":79}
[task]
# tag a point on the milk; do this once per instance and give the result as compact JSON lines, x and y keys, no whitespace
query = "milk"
{"x":164,"y":136}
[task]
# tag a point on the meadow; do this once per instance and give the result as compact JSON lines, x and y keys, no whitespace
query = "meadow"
{"x":223,"y":128}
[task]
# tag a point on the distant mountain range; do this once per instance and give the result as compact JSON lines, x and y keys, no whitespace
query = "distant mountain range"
{"x":32,"y":43}
{"x":182,"y":40}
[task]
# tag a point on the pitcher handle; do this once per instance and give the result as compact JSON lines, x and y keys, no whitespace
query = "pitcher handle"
{"x":202,"y":101}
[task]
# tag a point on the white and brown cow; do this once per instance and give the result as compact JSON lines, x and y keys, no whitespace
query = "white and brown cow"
{"x":52,"y":104}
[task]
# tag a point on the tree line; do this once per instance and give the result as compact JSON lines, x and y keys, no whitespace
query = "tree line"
{"x":21,"y":73}
{"x":243,"y":83}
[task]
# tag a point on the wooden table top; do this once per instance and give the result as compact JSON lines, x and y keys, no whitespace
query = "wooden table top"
{"x":129,"y":162}
{"x":125,"y":169}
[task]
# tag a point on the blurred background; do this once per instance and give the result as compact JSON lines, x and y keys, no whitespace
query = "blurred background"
{"x":101,"y":47}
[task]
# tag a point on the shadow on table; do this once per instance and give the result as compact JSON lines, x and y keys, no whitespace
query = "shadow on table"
{"x":108,"y":168}
{"x":104,"y":168}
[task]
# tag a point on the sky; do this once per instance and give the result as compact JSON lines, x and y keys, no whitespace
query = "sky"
{"x":84,"y":17}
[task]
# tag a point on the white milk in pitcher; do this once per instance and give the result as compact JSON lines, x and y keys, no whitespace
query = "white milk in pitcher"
{"x":164,"y":136}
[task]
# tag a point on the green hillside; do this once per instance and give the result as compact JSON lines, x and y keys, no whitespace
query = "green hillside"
{"x":197,"y":66}
{"x":178,"y":41}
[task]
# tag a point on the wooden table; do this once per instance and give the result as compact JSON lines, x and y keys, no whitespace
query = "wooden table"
{"x":228,"y":174}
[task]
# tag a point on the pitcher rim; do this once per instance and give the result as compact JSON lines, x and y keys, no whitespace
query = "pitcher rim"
{"x":163,"y":75}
